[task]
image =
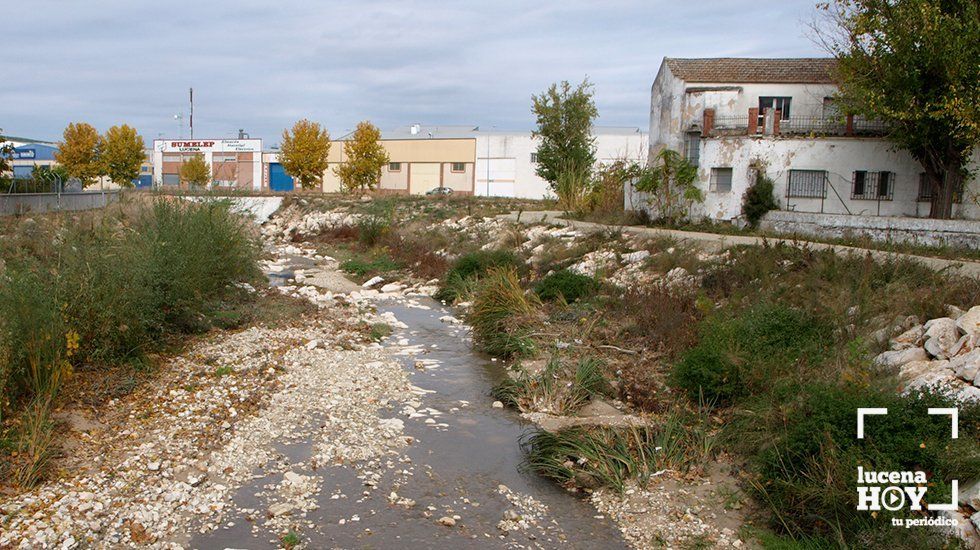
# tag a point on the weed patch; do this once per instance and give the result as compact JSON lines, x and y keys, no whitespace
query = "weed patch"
{"x":471,"y":267}
{"x":559,"y":389}
{"x":503,"y":314}
{"x":566,"y":285}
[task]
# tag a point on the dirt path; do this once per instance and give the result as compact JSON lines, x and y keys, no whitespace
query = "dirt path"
{"x":715,"y":241}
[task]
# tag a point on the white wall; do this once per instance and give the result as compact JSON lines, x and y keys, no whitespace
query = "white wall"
{"x":512,"y":174}
{"x":840,"y":157}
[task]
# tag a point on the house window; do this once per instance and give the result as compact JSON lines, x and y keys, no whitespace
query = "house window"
{"x":872,"y":185}
{"x":806,"y":184}
{"x":692,"y":148}
{"x":721,"y":180}
{"x":394,"y":167}
{"x":925,"y":190}
{"x":777,"y":103}
{"x":534,"y":158}
{"x":458,"y":167}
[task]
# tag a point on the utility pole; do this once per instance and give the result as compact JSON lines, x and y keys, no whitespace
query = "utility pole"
{"x":192,"y":113}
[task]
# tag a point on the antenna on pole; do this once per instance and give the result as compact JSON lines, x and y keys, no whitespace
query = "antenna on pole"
{"x":192,"y":113}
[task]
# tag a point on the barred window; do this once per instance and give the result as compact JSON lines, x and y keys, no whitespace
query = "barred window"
{"x":873,"y":185}
{"x":721,"y":180}
{"x":534,"y":158}
{"x":692,"y":148}
{"x":806,"y":184}
{"x":458,"y":167}
{"x":394,"y":167}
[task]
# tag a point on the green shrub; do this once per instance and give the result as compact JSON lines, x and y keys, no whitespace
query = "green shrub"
{"x":372,"y":228}
{"x":471,"y":267}
{"x":567,"y":285}
{"x":742,"y":355}
{"x":759,"y":199}
{"x":503,"y":315}
{"x":808,"y":467}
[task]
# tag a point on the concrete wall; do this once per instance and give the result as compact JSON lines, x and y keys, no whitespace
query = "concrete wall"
{"x":23,"y":203}
{"x":958,"y":233}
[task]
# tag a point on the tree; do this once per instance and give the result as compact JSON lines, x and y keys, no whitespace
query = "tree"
{"x":364,"y":156}
{"x":913,"y":65}
{"x":194,"y":171}
{"x":78,"y":152}
{"x":303,"y":154}
{"x":6,"y":155}
{"x":121,"y":154}
{"x":564,"y":117}
{"x":670,"y":184}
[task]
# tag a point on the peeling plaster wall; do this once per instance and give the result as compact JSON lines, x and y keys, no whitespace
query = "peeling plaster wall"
{"x":839,"y":157}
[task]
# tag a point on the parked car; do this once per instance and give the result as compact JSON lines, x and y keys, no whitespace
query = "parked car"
{"x":439,"y":191}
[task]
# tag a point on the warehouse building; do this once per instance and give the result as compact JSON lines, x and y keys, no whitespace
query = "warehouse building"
{"x":235,"y":163}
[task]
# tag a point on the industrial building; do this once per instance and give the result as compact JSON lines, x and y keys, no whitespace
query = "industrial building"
{"x":235,"y":163}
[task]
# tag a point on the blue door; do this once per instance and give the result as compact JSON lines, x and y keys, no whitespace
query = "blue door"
{"x":144,"y":181}
{"x":279,"y":180}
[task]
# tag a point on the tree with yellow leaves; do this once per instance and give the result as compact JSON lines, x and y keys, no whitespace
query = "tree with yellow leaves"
{"x":195,"y":171}
{"x":364,"y":156}
{"x":78,"y":152}
{"x":304,"y":151}
{"x":121,"y":154}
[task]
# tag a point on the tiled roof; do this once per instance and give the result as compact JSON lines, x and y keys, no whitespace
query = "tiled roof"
{"x":808,"y":70}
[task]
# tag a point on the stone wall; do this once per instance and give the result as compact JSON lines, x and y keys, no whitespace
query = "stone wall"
{"x":924,"y":231}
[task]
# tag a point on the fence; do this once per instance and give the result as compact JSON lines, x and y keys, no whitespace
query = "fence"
{"x":37,"y":203}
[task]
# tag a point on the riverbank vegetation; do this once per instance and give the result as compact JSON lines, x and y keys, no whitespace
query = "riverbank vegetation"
{"x":755,"y":355}
{"x":96,"y":294}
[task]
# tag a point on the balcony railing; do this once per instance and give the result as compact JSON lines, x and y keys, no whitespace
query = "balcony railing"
{"x":754,"y":123}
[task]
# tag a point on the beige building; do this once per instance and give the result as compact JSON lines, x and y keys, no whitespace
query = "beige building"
{"x":418,"y":164}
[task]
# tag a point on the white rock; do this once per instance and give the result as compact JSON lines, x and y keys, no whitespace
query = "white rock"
{"x":392,"y":287}
{"x":908,"y":339}
{"x":966,"y":366}
{"x":497,"y":405}
{"x":900,"y":357}
{"x":312,"y":344}
{"x":372,"y":282}
{"x":447,"y":521}
{"x":280,"y":509}
{"x":941,"y":335}
{"x":969,"y":322}
{"x":635,"y":257}
{"x":153,"y":466}
{"x":915,"y":369}
{"x":969,"y":394}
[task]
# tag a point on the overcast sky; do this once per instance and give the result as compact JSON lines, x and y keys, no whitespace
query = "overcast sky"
{"x":261,"y":65}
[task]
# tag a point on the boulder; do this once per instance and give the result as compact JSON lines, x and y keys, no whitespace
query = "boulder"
{"x":635,"y":257}
{"x":969,"y":322}
{"x":898,"y":358}
{"x":941,"y":380}
{"x":953,"y":312}
{"x":598,"y":407}
{"x":966,"y":366}
{"x":963,"y":528}
{"x":911,"y":338}
{"x":912,"y":370}
{"x":941,"y":336}
{"x":970,"y":494}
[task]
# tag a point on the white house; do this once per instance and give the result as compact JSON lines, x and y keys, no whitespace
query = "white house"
{"x":733,"y":116}
{"x":506,"y":162}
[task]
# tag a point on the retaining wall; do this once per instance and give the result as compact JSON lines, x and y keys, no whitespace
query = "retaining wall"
{"x":23,"y":203}
{"x":923,"y":231}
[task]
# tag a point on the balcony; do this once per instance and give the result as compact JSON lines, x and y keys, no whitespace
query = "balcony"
{"x":772,"y":123}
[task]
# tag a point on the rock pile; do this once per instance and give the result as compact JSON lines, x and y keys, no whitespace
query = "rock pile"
{"x":943,"y":354}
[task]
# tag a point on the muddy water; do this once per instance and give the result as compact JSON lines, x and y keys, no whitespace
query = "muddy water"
{"x":455,"y":470}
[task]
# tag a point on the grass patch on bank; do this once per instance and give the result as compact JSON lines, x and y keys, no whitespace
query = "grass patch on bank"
{"x":566,"y":285}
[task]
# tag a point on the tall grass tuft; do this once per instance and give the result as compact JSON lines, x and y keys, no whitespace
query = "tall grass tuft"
{"x":470,"y":268}
{"x":609,"y":457}
{"x":558,"y":389}
{"x":503,"y":314}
